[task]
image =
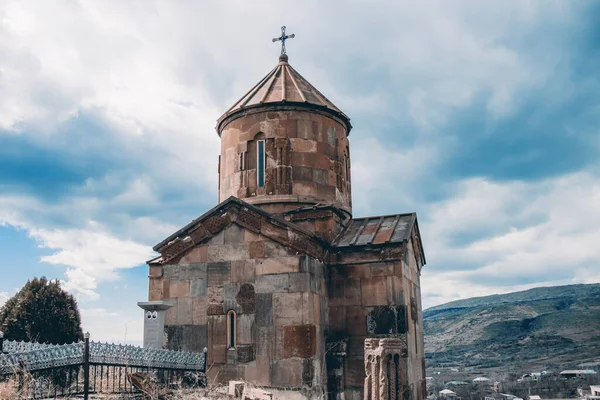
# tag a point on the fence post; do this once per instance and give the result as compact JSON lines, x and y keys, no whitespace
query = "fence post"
{"x":86,"y":366}
{"x":1,"y":342}
{"x":205,"y":356}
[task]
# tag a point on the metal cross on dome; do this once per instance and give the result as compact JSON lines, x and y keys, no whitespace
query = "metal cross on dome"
{"x":283,"y":38}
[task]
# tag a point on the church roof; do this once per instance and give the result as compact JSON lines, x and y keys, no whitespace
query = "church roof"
{"x":379,"y":231}
{"x":284,"y":85}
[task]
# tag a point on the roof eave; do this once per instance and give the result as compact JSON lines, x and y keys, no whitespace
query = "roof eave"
{"x":281,"y":105}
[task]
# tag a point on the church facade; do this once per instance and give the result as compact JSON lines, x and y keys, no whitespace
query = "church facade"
{"x":278,"y":281}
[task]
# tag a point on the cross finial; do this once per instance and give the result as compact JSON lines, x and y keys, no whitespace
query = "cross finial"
{"x":283,"y":38}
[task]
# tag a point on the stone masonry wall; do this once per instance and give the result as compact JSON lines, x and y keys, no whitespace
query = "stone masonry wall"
{"x":373,"y":300}
{"x":280,"y":301}
{"x":308,"y":159}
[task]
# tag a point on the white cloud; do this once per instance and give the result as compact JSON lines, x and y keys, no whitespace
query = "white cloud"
{"x":522,"y":235}
{"x":105,"y":325}
{"x":92,"y":255}
{"x":157,"y":75}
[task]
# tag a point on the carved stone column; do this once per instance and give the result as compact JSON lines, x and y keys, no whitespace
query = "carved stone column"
{"x":384,"y":369}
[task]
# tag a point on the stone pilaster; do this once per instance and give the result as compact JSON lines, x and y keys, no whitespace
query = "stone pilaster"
{"x":384,"y":369}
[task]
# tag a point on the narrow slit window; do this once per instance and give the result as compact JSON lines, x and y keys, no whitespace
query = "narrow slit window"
{"x":242,"y":161}
{"x":260,"y":167}
{"x":231,"y":322}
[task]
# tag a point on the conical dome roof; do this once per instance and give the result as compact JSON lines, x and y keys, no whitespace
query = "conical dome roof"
{"x":283,"y":86}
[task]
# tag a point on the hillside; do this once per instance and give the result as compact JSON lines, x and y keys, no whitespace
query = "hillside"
{"x":550,"y":326}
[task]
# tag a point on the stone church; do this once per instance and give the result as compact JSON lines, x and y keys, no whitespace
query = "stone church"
{"x":282,"y":285}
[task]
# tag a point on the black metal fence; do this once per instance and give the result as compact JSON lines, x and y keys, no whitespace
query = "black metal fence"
{"x":41,"y":371}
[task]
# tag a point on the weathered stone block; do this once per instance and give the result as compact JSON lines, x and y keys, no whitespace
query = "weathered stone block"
{"x":179,"y":288}
{"x":155,"y":295}
{"x":219,"y":273}
{"x":199,"y":305}
{"x":321,"y":176}
{"x":274,"y":249}
{"x":299,"y":341}
{"x":250,"y":236}
{"x":193,"y":271}
{"x":355,"y":373}
{"x":229,"y":292}
{"x":259,"y":373}
{"x":195,"y":254}
{"x":271,"y":283}
{"x":245,"y":353}
{"x":308,"y":373}
{"x":242,"y":271}
{"x":217,"y":329}
{"x":277,"y":265}
{"x":362,"y":271}
{"x":374,"y":291}
{"x":231,"y":355}
{"x":264,"y":309}
{"x":337,"y":319}
{"x":317,"y":306}
{"x":195,"y":338}
{"x":257,"y":249}
{"x":287,"y":373}
{"x":352,"y":294}
{"x":219,"y":354}
{"x":245,"y":329}
{"x":184,"y":311}
{"x":198,"y":287}
{"x":174,"y":336}
{"x":356,"y":320}
{"x":299,"y":282}
{"x":246,"y":298}
{"x":288,"y":309}
{"x":218,"y":239}
{"x":171,"y":313}
{"x":335,"y":292}
{"x":303,"y":145}
{"x":228,"y":252}
{"x":166,"y":287}
{"x":233,"y":234}
{"x":265,"y":341}
{"x":155,"y":284}
{"x":215,"y":309}
{"x":155,"y":271}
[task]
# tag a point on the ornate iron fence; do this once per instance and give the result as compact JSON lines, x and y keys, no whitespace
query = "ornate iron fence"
{"x":46,"y":371}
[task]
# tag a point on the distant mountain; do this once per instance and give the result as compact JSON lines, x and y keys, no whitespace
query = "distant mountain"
{"x":548,"y":326}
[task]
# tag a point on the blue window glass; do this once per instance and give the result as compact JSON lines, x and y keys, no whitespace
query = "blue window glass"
{"x":260,"y":170}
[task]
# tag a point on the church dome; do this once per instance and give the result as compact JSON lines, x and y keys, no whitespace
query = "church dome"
{"x":282,"y":86}
{"x":285,"y":146}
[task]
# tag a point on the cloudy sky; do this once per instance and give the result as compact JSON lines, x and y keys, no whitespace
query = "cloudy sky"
{"x":483,"y":117}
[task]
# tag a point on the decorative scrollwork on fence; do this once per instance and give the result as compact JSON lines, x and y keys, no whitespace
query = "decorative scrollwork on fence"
{"x":116,"y":354}
{"x":43,"y":358}
{"x":52,"y":356}
{"x":14,"y":346}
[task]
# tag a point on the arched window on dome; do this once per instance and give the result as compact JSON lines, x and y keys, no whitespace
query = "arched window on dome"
{"x":256,"y":160}
{"x":231,"y":329}
{"x":260,"y":163}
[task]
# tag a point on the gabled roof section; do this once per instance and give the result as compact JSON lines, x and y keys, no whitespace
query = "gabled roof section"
{"x":246,"y":215}
{"x":380,"y":231}
{"x":284,"y":85}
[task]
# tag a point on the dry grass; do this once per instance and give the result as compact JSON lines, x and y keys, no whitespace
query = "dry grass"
{"x":32,"y":390}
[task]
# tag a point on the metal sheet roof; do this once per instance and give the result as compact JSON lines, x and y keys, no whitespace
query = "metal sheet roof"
{"x":284,"y":85}
{"x":377,"y":230}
